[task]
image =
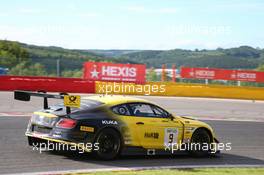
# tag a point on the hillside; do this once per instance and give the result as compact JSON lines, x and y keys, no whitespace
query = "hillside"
{"x":243,"y":57}
{"x":69,"y":59}
{"x":13,"y":53}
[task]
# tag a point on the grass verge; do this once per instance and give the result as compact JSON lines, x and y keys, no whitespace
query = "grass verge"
{"x":189,"y":171}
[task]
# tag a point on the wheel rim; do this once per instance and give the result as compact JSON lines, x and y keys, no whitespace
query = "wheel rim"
{"x":201,"y":139}
{"x":108,"y":144}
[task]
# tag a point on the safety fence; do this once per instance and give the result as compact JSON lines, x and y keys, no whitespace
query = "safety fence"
{"x":78,"y":85}
{"x":180,"y":90}
{"x":49,"y":84}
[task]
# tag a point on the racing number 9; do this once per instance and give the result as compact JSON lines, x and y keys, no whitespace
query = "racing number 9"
{"x":171,"y":138}
{"x":171,"y":135}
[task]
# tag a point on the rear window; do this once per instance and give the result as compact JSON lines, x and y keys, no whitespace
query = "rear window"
{"x":89,"y":104}
{"x":86,"y":104}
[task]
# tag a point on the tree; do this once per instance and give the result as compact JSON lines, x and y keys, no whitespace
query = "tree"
{"x":261,"y":68}
{"x":72,"y":73}
{"x":25,"y":68}
{"x":244,"y":51}
{"x":152,"y":75}
{"x":12,"y":54}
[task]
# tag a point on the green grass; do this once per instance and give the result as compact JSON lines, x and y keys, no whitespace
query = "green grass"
{"x":202,"y":171}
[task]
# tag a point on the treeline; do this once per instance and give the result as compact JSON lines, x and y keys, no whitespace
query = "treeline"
{"x":70,"y":60}
{"x":24,"y":59}
{"x":243,"y":57}
{"x":16,"y":59}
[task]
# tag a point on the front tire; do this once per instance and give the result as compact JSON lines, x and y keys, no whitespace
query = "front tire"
{"x":200,"y":143}
{"x":109,"y":142}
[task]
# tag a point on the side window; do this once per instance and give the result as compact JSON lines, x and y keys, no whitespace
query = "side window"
{"x":143,"y":110}
{"x":160,"y":112}
{"x":121,"y":110}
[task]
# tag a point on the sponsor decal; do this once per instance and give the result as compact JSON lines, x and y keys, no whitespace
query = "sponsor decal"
{"x":109,"y":122}
{"x":86,"y":128}
{"x":154,"y":135}
{"x":72,"y":101}
{"x":115,"y":72}
{"x":222,"y":74}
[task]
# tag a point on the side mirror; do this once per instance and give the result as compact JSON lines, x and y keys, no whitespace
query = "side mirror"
{"x":171,"y":116}
{"x":22,"y":96}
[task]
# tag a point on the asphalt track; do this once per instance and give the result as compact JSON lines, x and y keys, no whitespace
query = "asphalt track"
{"x":246,"y":138}
{"x":202,"y":108}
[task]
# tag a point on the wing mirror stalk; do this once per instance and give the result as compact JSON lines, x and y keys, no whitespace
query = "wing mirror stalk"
{"x":171,"y":117}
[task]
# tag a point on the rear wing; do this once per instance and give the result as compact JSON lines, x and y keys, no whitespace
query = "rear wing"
{"x":25,"y":96}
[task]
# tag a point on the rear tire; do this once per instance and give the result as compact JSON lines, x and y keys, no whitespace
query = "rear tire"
{"x":198,"y":142}
{"x":110,"y":144}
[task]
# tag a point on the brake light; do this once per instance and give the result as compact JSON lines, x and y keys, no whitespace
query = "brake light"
{"x":66,"y":123}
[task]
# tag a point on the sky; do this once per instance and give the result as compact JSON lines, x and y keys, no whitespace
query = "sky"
{"x":134,"y":24}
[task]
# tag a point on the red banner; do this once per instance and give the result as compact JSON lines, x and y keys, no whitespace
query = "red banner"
{"x":222,"y":74}
{"x":49,"y":84}
{"x":101,"y":71}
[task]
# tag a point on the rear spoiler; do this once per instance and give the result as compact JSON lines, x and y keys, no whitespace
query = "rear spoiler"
{"x":25,"y":96}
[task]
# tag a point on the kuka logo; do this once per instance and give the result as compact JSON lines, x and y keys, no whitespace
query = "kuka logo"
{"x":109,"y":122}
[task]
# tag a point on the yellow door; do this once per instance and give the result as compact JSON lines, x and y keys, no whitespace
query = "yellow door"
{"x":159,"y":132}
{"x":148,"y":126}
{"x":131,"y":137}
{"x":154,"y":126}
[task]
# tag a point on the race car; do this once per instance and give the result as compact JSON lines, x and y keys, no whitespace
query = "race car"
{"x":110,"y":124}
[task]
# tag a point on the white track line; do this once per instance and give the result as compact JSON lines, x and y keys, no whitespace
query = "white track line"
{"x":140,"y":168}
